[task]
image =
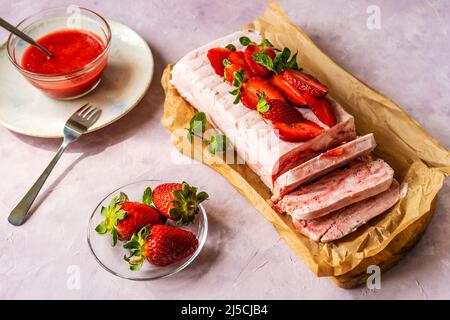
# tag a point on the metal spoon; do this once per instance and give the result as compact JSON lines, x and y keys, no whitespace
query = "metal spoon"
{"x":23,"y":36}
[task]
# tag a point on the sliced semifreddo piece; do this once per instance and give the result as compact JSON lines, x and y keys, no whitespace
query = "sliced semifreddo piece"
{"x":254,"y":140}
{"x":322,"y":164}
{"x":340,"y":223}
{"x":337,"y":190}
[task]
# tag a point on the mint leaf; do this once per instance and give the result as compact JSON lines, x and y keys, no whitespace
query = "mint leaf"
{"x":266,"y":43}
{"x":239,"y":78}
{"x":218,"y":143}
{"x":237,"y":93}
{"x":226,"y":62}
{"x":263,"y":59}
{"x":197,"y":125}
{"x":292,"y":64}
{"x":282,"y":62}
{"x":262,"y":105}
{"x":245,"y":41}
{"x":231,"y":47}
{"x":285,"y":54}
{"x":238,"y":98}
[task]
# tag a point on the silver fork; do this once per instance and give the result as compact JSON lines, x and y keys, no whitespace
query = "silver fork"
{"x":77,"y":124}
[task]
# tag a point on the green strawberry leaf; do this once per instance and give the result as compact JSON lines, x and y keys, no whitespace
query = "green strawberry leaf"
{"x":179,"y":194}
{"x":103,"y":211}
{"x":114,"y":237}
{"x":147,"y":196}
{"x":121,"y":215}
{"x":101,"y":228}
{"x":135,"y":267}
{"x":175,"y":212}
{"x":202,"y":196}
{"x":123,"y":197}
{"x":231,"y":47}
{"x":132,"y":244}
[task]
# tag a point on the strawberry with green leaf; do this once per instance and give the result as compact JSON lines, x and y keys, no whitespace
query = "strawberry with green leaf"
{"x":160,"y":245}
{"x":122,"y":217}
{"x":236,"y":74}
{"x":265,"y":48}
{"x":288,"y":122}
{"x":178,"y":201}
{"x":248,"y":93}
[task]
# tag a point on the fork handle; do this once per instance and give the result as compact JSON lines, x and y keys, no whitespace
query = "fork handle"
{"x":19,"y":214}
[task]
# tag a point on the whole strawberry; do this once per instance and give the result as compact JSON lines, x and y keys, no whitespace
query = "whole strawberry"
{"x":178,"y":201}
{"x":160,"y":245}
{"x":123,"y":218}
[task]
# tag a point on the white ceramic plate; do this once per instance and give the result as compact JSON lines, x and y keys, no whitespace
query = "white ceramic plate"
{"x":126,"y":79}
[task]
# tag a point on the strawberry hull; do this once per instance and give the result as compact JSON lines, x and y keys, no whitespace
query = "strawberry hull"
{"x":254,"y":140}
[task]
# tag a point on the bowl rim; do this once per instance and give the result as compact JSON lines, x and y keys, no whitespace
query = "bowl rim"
{"x":176,"y":270}
{"x":60,"y":76}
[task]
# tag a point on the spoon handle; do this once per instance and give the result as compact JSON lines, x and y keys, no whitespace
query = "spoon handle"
{"x":20,"y":213}
{"x":23,"y":36}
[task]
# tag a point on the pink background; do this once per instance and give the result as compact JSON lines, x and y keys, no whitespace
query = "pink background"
{"x":244,"y":257}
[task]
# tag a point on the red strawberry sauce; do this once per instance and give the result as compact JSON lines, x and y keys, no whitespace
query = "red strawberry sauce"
{"x":72,"y":50}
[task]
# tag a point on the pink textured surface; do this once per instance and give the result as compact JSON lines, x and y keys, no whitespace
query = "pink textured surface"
{"x":243,"y":257}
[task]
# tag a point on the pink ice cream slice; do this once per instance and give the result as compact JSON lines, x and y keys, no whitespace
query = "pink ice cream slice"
{"x":337,"y":190}
{"x":321,"y":165}
{"x":345,"y":221}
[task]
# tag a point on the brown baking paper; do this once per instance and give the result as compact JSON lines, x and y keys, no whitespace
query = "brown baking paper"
{"x":417,"y":158}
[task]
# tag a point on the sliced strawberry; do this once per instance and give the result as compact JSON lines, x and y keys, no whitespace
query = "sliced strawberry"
{"x":238,"y":57}
{"x":321,"y":108}
{"x":305,"y":82}
{"x":278,"y":111}
{"x":291,"y":93}
{"x":336,"y":152}
{"x":257,"y":86}
{"x":257,"y":68}
{"x":216,"y":57}
{"x":297,"y":131}
{"x":230,"y":69}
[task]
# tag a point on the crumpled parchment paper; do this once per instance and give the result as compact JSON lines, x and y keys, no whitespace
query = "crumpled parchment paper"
{"x":416,"y":157}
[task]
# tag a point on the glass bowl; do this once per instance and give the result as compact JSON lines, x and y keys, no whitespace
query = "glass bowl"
{"x":69,"y":85}
{"x":111,"y":258}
